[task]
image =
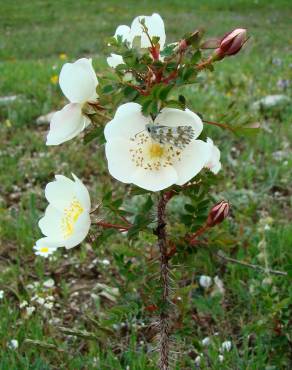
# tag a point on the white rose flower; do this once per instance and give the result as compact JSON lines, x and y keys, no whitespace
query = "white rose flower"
{"x":214,"y":163}
{"x":134,"y":157}
{"x":78,"y":82}
{"x":205,"y":281}
{"x":67,"y":220}
{"x":155,"y":26}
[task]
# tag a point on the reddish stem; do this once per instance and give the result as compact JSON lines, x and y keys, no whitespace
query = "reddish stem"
{"x":141,"y":91}
{"x":219,"y":125}
{"x":154,"y":50}
{"x":108,"y":225}
{"x":193,"y":237}
{"x":175,"y":72}
{"x":205,"y":64}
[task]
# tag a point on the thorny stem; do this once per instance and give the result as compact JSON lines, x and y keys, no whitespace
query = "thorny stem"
{"x":164,"y":278}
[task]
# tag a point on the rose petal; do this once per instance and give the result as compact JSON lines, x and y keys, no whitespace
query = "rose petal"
{"x":155,"y":180}
{"x":66,"y":124}
{"x":214,"y":163}
{"x":155,"y":26}
{"x":120,"y":165}
{"x":124,"y":32}
{"x":82,"y":193}
{"x":78,"y":81}
{"x":81,"y":229}
{"x":114,"y":60}
{"x":51,"y":223}
{"x":127,"y":122}
{"x":193,"y":158}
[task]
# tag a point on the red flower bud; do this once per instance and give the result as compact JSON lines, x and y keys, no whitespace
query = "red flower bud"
{"x":231,"y":43}
{"x":218,"y":213}
{"x":182,"y":45}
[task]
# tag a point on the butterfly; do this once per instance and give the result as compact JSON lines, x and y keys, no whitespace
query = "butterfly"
{"x":179,"y":136}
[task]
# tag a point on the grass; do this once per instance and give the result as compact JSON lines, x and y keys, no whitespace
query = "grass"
{"x":255,"y":311}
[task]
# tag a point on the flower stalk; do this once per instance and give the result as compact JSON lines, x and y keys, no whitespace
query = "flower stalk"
{"x":164,"y":278}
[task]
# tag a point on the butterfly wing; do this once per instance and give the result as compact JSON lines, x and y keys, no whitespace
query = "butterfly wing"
{"x":179,"y":136}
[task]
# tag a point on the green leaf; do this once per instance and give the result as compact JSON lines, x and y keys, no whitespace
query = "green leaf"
{"x":117,"y":203}
{"x":103,"y":236}
{"x":163,"y":93}
{"x":196,"y":57}
{"x":187,"y":73}
{"x":189,"y":208}
{"x":146,"y":106}
{"x":107,"y":197}
{"x":174,"y":104}
{"x":96,"y":133}
{"x":155,"y":40}
{"x":148,"y":204}
{"x":109,"y":89}
{"x":246,"y":131}
{"x":130,"y":93}
{"x":210,"y":67}
{"x":187,"y":219}
{"x":288,"y":269}
{"x":168,"y":51}
{"x":182,"y":100}
{"x":172,"y":66}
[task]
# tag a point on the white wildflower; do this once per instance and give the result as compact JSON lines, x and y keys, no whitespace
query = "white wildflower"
{"x":13,"y":344}
{"x":49,"y":283}
{"x":226,"y":346}
{"x":30,"y":310}
{"x":205,"y":281}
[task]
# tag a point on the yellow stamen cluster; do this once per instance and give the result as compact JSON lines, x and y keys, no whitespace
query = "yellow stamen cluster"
{"x":151,"y":155}
{"x":71,"y":215}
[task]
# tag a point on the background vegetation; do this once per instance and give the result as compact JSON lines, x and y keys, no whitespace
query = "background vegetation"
{"x":99,"y":288}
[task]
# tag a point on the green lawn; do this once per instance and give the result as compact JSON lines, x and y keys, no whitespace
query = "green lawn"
{"x":255,"y":311}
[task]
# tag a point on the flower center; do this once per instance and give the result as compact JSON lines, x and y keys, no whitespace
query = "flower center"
{"x":44,"y":249}
{"x":155,"y":150}
{"x":71,"y":215}
{"x":151,"y":155}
